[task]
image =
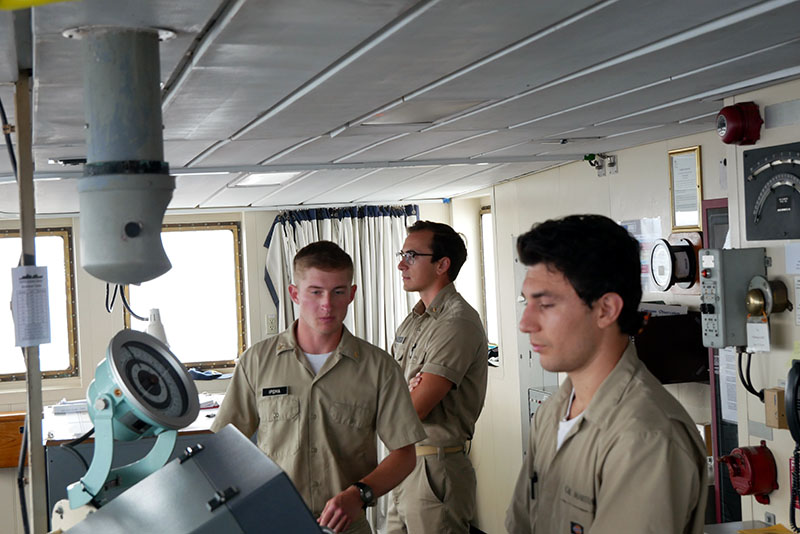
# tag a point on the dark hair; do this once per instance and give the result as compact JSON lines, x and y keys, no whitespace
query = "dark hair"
{"x":446,"y":243}
{"x":595,"y":254}
{"x":324,"y":255}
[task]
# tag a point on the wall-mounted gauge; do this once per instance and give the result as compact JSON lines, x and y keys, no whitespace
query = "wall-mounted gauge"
{"x":673,"y":263}
{"x":772,"y":192}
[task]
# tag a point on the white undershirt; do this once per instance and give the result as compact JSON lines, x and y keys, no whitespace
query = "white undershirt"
{"x":317,"y":360}
{"x":565,"y":425}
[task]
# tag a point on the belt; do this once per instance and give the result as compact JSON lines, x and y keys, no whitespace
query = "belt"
{"x":426,"y":450}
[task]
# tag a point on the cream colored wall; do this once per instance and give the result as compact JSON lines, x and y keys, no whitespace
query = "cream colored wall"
{"x":640,"y":189}
{"x":466,"y":220}
{"x":768,"y":369}
{"x":96,"y":327}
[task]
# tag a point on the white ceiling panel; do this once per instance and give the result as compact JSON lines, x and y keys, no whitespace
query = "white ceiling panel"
{"x":9,"y":200}
{"x":179,"y":153}
{"x":621,"y":27}
{"x":408,"y":145}
{"x":326,"y":149}
{"x":267,"y":51}
{"x":291,"y":81}
{"x":58,"y":196}
{"x":480,"y":180}
{"x":434,"y":177}
{"x":475,"y":145}
{"x":8,"y":51}
{"x":192,"y":190}
{"x":460,"y":32}
{"x":237,"y":196}
{"x":371,"y":182}
{"x":250,"y":152}
{"x":310,"y":185}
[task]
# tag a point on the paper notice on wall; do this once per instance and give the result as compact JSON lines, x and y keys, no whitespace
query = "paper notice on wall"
{"x":727,"y":384}
{"x":758,"y":335}
{"x":646,"y":231}
{"x":793,"y":258}
{"x":797,"y":300}
{"x":30,"y":306}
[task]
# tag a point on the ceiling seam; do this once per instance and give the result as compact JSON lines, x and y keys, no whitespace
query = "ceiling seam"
{"x":202,"y":42}
{"x":361,"y":49}
{"x":661,"y":44}
{"x":650,"y":85}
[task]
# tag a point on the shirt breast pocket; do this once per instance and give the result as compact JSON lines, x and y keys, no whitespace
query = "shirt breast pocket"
{"x":579,"y":511}
{"x":279,"y":431}
{"x":355,"y":423}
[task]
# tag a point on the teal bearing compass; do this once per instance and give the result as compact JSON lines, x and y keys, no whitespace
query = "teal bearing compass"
{"x":141,"y":389}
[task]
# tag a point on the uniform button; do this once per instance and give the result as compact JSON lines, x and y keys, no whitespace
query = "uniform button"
{"x":315,"y":484}
{"x":276,"y":415}
{"x":313,"y":450}
{"x":313,"y":416}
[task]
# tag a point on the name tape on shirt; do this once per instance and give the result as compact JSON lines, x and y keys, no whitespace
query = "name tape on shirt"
{"x":275,"y":391}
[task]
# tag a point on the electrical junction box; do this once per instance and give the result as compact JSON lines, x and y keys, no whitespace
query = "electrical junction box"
{"x":724,"y":279}
{"x":775,"y":408}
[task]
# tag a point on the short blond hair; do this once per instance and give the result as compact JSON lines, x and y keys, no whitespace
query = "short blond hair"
{"x":323,"y":255}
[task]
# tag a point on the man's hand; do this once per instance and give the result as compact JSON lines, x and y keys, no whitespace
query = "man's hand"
{"x":341,"y":510}
{"x":414,"y":382}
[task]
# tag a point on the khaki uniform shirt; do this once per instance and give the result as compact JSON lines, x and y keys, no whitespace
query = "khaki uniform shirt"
{"x":448,"y":340}
{"x":633,"y":463}
{"x":320,"y":429}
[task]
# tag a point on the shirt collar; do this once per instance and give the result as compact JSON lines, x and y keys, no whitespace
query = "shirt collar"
{"x":438,"y":303}
{"x":608,"y":395}
{"x":287,"y":343}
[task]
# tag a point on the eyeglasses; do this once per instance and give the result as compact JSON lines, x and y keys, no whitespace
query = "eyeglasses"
{"x":410,"y":256}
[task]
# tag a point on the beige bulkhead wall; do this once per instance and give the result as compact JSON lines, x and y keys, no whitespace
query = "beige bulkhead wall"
{"x":768,"y":369}
{"x":640,"y":189}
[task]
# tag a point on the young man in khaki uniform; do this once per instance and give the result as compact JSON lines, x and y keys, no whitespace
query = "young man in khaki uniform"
{"x":317,"y":396}
{"x":442,"y":349}
{"x":612,"y":451}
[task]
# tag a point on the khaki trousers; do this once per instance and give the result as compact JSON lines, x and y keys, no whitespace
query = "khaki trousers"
{"x":438,"y":497}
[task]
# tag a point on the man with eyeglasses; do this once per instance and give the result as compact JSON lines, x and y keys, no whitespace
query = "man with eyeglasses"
{"x":442,"y":349}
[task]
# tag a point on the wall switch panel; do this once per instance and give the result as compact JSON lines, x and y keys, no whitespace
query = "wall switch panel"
{"x":724,"y":278}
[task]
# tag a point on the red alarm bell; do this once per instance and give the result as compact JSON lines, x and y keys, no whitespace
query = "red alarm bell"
{"x":752,"y":471}
{"x":739,"y":124}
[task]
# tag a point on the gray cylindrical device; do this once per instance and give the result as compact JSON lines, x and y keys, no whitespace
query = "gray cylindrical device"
{"x":126,"y":185}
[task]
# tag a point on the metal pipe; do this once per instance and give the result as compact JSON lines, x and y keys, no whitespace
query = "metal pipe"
{"x":38,"y":509}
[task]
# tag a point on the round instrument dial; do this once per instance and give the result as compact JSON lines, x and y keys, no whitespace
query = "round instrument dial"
{"x":153,"y":379}
{"x":661,"y":265}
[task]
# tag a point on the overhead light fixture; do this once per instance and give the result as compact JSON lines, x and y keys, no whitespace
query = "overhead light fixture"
{"x":198,"y":173}
{"x":47,"y":179}
{"x":265,"y":178}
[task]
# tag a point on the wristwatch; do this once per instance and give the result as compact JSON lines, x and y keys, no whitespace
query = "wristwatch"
{"x":366,"y":493}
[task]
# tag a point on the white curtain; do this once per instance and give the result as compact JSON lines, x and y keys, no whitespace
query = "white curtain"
{"x":371,"y":235}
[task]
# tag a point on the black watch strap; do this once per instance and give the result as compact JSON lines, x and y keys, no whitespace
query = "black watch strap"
{"x":366,"y":493}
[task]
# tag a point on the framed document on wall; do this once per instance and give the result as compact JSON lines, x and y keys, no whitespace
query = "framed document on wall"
{"x":685,"y":189}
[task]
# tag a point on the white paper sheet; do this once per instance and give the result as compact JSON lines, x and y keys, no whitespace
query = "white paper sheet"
{"x":30,"y":306}
{"x":727,"y":384}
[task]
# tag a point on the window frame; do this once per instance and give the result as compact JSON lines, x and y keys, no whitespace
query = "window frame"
{"x":65,"y":232}
{"x":484,"y":210}
{"x":241,"y":323}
